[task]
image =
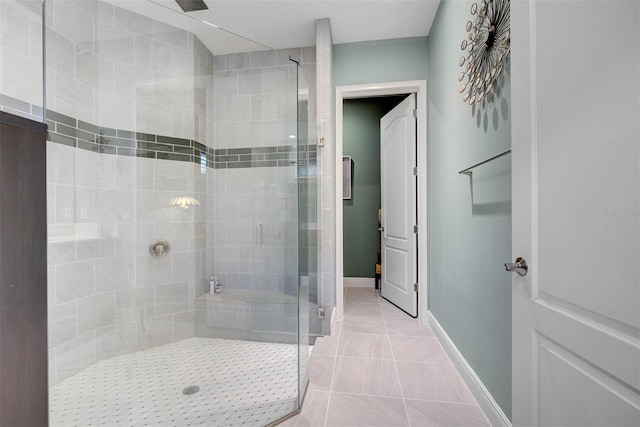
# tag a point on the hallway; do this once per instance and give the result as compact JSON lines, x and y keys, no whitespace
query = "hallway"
{"x":383,"y":368}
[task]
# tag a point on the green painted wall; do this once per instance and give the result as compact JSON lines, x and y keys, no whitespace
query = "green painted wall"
{"x":469,"y":219}
{"x":380,"y":61}
{"x":361,"y":141}
{"x":361,"y":63}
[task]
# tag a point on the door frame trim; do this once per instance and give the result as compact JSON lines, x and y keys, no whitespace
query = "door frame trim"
{"x":419,"y":87}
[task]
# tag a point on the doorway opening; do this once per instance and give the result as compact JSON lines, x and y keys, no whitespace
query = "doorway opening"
{"x":370,"y":93}
{"x":362,"y":187}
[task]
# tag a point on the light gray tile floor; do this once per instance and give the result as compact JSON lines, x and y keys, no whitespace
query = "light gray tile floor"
{"x":381,"y":367}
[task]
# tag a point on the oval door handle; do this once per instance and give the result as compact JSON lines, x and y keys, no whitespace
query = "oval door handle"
{"x":520,"y":266}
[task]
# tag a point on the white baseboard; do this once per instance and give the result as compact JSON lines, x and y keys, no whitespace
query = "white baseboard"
{"x":491,"y":409}
{"x":359,"y":282}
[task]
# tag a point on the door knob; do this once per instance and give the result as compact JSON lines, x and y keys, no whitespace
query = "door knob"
{"x":520,"y":266}
{"x":380,"y":228}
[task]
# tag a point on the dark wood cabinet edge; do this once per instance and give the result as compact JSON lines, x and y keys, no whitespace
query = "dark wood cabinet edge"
{"x":23,"y":313}
{"x":21,"y":122}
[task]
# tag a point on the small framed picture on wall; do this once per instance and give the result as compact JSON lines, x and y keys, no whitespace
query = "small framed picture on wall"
{"x":346,"y":177}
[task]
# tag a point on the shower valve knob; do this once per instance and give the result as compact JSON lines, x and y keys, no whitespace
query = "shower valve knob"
{"x":159,"y":248}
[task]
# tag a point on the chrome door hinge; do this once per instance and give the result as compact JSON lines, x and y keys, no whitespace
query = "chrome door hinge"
{"x":415,"y":287}
{"x":415,"y":113}
{"x":415,"y":229}
{"x":415,"y":171}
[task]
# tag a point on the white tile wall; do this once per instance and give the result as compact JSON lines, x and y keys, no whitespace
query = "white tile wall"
{"x":265,"y":58}
{"x":74,"y":281}
{"x":172,"y":298}
{"x":107,"y":293}
{"x":132,"y":22}
{"x":63,"y":323}
{"x":119,"y":287}
{"x":21,"y":56}
{"x":96,"y":311}
{"x":116,"y":69}
{"x":252,"y":196}
{"x":326,"y":164}
{"x":60,"y":53}
{"x":109,"y":66}
{"x":75,"y":355}
{"x":116,"y":340}
{"x":71,"y":97}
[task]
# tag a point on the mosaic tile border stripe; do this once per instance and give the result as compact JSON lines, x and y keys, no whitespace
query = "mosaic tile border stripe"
{"x":76,"y":133}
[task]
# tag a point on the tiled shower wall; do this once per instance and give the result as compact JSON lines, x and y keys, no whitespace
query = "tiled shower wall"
{"x":326,"y":159}
{"x":255,"y":113}
{"x":127,"y":98}
{"x":255,"y":122}
{"x":118,"y":69}
{"x":130,"y":107}
{"x":21,"y":88}
{"x":108,"y":296}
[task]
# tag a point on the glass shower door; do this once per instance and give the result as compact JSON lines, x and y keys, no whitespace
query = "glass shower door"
{"x":274,"y":255}
{"x":256,"y":223}
{"x":169,"y":165}
{"x":307,"y":225}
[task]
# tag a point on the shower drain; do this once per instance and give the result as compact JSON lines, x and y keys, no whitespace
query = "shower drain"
{"x":192,"y":389}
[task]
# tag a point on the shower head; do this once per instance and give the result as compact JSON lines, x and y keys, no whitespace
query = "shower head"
{"x":191,"y":5}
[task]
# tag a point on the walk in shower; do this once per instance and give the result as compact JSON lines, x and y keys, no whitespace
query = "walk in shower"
{"x":178,"y":154}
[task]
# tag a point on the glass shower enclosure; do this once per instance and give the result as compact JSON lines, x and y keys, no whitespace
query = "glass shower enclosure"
{"x":182,"y":187}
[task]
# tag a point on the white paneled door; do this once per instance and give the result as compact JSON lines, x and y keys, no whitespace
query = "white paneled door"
{"x":576,"y":212}
{"x":398,"y":199}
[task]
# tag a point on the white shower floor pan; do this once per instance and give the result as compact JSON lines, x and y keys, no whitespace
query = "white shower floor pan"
{"x":240,"y":383}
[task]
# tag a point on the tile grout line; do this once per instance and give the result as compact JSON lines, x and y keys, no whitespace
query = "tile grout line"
{"x":349,"y":393}
{"x":448,"y":402}
{"x":399,"y":360}
{"x":393,"y":356}
{"x":445,"y":401}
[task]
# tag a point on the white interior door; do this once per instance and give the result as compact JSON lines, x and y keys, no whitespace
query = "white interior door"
{"x":576,"y":212}
{"x":398,"y":199}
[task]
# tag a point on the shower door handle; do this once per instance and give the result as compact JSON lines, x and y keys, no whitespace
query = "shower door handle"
{"x":259,"y":234}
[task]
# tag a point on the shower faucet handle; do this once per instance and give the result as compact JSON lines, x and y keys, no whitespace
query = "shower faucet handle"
{"x":159,"y":248}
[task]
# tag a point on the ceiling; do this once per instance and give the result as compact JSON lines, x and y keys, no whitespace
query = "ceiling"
{"x":246,"y":25}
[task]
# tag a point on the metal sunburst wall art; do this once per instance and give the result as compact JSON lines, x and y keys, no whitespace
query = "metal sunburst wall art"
{"x":486,"y":48}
